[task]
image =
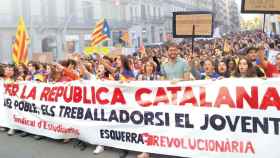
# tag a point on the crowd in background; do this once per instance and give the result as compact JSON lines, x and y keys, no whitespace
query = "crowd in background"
{"x":238,"y":55}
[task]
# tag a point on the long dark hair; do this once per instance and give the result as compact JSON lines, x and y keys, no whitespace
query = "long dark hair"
{"x":1,"y":71}
{"x":125,"y":63}
{"x":227,"y":63}
{"x":251,"y":72}
{"x":225,"y":74}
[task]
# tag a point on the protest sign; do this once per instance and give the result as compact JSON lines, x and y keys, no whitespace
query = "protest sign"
{"x":192,"y":24}
{"x":260,"y":6}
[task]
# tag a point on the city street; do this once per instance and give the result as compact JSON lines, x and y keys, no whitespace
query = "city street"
{"x":28,"y":147}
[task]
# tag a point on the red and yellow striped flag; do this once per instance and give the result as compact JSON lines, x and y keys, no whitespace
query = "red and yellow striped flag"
{"x":100,"y":33}
{"x":20,"y":46}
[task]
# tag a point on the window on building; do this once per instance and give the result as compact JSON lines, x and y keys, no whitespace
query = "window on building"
{"x":26,"y":10}
{"x":116,"y":38}
{"x":131,"y":13}
{"x":136,"y":12}
{"x":143,"y":12}
{"x":148,"y":11}
{"x":49,"y":45}
{"x":50,"y":10}
{"x":87,"y":10}
{"x":154,"y":12}
{"x":153,"y":34}
{"x":71,"y":10}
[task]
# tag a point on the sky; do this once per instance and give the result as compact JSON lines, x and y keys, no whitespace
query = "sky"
{"x":246,"y":16}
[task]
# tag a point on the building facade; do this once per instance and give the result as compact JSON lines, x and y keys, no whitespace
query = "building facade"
{"x":227,"y":15}
{"x":64,"y":26}
{"x":272,"y":24}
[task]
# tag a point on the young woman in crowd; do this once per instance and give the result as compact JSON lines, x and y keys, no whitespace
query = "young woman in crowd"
{"x":245,"y":69}
{"x":9,"y":76}
{"x":21,"y":72}
{"x":209,"y":70}
{"x":122,"y":70}
{"x":148,"y":72}
{"x":2,"y":71}
{"x":231,"y":65}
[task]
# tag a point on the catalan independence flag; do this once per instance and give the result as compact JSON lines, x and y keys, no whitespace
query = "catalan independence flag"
{"x":20,"y":46}
{"x":100,"y":33}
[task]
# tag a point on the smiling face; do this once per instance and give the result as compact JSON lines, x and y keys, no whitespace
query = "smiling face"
{"x":9,"y":72}
{"x":252,"y":55}
{"x":172,"y":53}
{"x":149,"y":68}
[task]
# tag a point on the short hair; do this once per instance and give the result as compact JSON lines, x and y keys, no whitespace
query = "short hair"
{"x":71,"y":62}
{"x":250,"y":49}
{"x":211,"y":61}
{"x":272,"y":45}
{"x":171,"y":44}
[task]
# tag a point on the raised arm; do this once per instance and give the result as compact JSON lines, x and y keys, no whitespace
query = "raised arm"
{"x":263,"y":62}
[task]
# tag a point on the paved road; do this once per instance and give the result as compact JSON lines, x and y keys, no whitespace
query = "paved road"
{"x":28,"y":147}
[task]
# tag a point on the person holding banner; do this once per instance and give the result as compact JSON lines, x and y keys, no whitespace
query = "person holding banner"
{"x":176,"y":68}
{"x":245,"y":69}
{"x":21,"y":72}
{"x":231,"y":65}
{"x":9,"y":76}
{"x":209,"y":71}
{"x":2,"y":71}
{"x":148,"y":72}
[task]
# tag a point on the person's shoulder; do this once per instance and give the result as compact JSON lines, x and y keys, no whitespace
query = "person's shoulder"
{"x":179,"y":59}
{"x":216,"y":75}
{"x":182,"y":61}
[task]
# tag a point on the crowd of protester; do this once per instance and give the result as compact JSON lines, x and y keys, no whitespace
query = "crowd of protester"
{"x":238,"y":55}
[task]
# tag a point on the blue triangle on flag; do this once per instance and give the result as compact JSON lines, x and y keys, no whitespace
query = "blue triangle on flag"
{"x":106,"y":29}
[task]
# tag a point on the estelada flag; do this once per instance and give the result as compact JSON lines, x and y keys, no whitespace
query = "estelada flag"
{"x":20,"y":46}
{"x":101,"y":32}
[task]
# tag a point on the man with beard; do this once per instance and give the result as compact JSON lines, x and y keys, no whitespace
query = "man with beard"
{"x":176,"y":68}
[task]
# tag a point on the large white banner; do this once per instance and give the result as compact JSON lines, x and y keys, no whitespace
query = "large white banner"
{"x":230,"y":118}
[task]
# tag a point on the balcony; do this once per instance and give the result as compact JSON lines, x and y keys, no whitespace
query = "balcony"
{"x":47,"y":22}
